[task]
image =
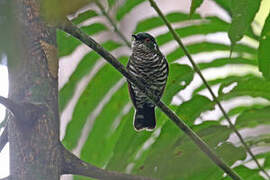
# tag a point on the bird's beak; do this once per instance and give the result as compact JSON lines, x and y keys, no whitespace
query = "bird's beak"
{"x":134,"y":35}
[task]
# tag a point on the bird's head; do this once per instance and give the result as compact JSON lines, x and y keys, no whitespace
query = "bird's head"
{"x":144,"y":42}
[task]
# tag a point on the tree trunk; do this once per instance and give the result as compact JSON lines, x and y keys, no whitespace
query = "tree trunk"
{"x":33,"y":84}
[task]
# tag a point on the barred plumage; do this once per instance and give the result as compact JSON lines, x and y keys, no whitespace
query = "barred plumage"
{"x":148,"y":64}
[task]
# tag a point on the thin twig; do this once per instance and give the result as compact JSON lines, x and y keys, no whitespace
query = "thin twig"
{"x":76,"y":32}
{"x":3,"y":138}
{"x":73,"y":165}
{"x":112,"y":23}
{"x":196,"y":69}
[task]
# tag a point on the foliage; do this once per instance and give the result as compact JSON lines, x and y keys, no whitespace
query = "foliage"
{"x":101,"y":122}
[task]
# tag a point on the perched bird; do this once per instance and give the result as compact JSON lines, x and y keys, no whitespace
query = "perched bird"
{"x":149,"y":65}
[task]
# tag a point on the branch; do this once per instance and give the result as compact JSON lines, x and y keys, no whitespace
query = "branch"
{"x":113,"y":23}
{"x":76,"y":32}
{"x":6,"y":178}
{"x":10,"y":105}
{"x":3,"y":138}
{"x":73,"y":165}
{"x":197,"y":69}
{"x":26,"y":112}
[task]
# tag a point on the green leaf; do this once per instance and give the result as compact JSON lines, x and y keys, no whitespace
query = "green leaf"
{"x":173,"y":154}
{"x":207,"y":47}
{"x":100,"y":143}
{"x":127,"y":146}
{"x":84,"y":16}
{"x":225,"y":61}
{"x":126,"y":7}
{"x":95,"y":91}
{"x":179,"y":78}
{"x":94,"y":28}
{"x":243,"y":13}
{"x":190,"y":110}
{"x":82,"y":69}
{"x":66,"y":43}
{"x":206,"y":26}
{"x":246,"y":86}
{"x":154,"y":22}
{"x":194,"y":5}
{"x":253,"y":117}
{"x":240,"y":109}
{"x":246,"y":173}
{"x":264,"y":55}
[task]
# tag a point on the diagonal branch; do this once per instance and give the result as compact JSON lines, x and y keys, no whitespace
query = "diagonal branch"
{"x":113,"y":23}
{"x":6,"y":178}
{"x":3,"y":138}
{"x":197,"y":69}
{"x":76,"y":32}
{"x":9,"y":104}
{"x":73,"y":165}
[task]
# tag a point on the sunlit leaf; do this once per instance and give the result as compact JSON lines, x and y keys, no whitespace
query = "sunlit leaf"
{"x":84,"y":16}
{"x":126,"y":8}
{"x":243,"y":13}
{"x":81,"y":70}
{"x":194,"y":5}
{"x":264,"y":55}
{"x":253,"y":117}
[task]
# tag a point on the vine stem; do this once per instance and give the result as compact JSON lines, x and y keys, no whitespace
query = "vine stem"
{"x":196,"y":69}
{"x":68,"y":27}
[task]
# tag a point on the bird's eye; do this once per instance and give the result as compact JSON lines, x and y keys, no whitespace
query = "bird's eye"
{"x":147,"y":40}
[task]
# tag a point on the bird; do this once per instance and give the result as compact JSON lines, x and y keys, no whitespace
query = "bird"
{"x":149,"y":65}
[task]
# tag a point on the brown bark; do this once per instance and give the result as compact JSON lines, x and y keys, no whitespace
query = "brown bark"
{"x":33,"y":136}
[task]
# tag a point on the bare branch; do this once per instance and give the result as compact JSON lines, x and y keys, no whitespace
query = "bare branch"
{"x":6,"y":178}
{"x":68,"y":27}
{"x":27,"y":113}
{"x":9,"y":104}
{"x":197,"y":69}
{"x":73,"y":165}
{"x":3,"y":138}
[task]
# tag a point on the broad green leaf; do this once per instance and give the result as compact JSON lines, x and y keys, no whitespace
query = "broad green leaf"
{"x":228,"y":79}
{"x":84,"y":16}
{"x":253,"y":117}
{"x":126,"y":7}
{"x":207,"y":47}
{"x":175,"y":156}
{"x":243,"y":13}
{"x":206,"y":26}
{"x":99,"y":145}
{"x":246,"y":86}
{"x":127,"y":146}
{"x":89,"y":99}
{"x":264,"y":55}
{"x":154,"y":22}
{"x":225,"y":4}
{"x":83,"y":68}
{"x":240,"y":109}
{"x":191,"y":109}
{"x":179,"y":78}
{"x":246,"y":173}
{"x":111,"y":2}
{"x":94,"y":28}
{"x":66,"y":43}
{"x":194,"y":5}
{"x":225,"y":61}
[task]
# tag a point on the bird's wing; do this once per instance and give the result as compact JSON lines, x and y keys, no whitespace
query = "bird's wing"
{"x":130,"y":89}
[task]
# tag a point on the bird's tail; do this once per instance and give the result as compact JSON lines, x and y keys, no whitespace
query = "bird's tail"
{"x":145,"y":118}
